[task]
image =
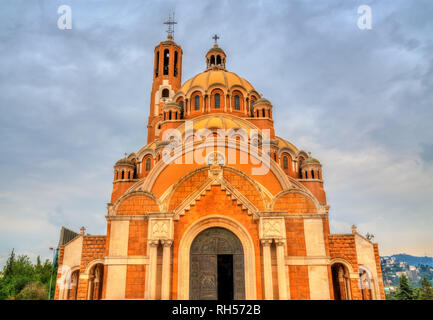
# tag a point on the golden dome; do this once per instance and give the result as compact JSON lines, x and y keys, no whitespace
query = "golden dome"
{"x":219,"y":121}
{"x":215,"y":77}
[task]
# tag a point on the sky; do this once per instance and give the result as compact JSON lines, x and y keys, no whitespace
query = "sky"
{"x":72,"y":102}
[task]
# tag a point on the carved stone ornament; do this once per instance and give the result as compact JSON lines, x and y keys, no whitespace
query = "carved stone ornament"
{"x":272,"y":228}
{"x":160,"y":228}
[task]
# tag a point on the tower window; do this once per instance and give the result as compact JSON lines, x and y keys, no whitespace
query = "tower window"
{"x":263,"y":113}
{"x":147,"y":164}
{"x":237,"y":103}
{"x":306,"y":174}
{"x":157,"y":64}
{"x":165,"y":93}
{"x":169,"y":115}
{"x":285,"y":163}
{"x":218,"y":60}
{"x":197,"y":103}
{"x":123,"y":174}
{"x":212,"y":60}
{"x":175,"y":63}
{"x":166,"y":60}
{"x":312,"y":174}
{"x":217,"y":101}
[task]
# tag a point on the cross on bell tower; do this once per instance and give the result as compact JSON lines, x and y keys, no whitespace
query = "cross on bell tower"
{"x":215,"y":37}
{"x":170,"y":22}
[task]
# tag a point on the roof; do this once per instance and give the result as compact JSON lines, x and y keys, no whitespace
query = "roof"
{"x":66,"y":235}
{"x":211,"y":77}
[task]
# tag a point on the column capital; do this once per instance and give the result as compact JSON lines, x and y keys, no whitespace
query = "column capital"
{"x":153,"y":243}
{"x":167,"y":243}
{"x":266,"y":242}
{"x":280,"y":242}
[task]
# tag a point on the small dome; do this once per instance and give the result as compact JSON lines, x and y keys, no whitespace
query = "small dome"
{"x":263,"y":101}
{"x":172,"y":104}
{"x":215,"y":48}
{"x":124,"y":162}
{"x":310,"y":161}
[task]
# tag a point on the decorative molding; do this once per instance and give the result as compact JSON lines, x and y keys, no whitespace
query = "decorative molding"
{"x":272,"y":228}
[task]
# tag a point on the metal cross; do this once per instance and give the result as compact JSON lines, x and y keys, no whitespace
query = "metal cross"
{"x":170,"y":24}
{"x":215,"y":37}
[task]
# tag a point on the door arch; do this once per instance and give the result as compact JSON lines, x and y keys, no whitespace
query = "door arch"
{"x":183,"y":255}
{"x":217,"y":266}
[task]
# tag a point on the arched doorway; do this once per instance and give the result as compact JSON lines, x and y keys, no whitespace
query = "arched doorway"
{"x":365,"y":284}
{"x":73,"y":290}
{"x":96,"y":275}
{"x":217,"y":266}
{"x":341,"y":282}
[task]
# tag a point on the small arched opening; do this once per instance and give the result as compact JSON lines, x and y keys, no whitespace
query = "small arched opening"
{"x":96,"y":275}
{"x":341,"y":282}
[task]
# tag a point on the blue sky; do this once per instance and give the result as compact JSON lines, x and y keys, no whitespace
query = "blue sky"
{"x":73,"y":101}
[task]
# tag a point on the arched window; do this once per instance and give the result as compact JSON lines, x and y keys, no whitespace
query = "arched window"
{"x":237,"y":103}
{"x":148,"y":164}
{"x":263,"y":113}
{"x":197,"y":103}
{"x":166,"y":59}
{"x":123,"y":174}
{"x":165,"y":93}
{"x":218,"y":61}
{"x":212,"y":60}
{"x":285,"y":163}
{"x":175,"y":63}
{"x":312,"y":174}
{"x":181,"y":109}
{"x":169,"y":115}
{"x":157,"y":64}
{"x":217,"y":101}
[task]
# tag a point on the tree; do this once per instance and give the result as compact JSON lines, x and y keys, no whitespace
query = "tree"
{"x":426,"y":290}
{"x":33,"y":291}
{"x":404,"y":291}
{"x":23,"y":280}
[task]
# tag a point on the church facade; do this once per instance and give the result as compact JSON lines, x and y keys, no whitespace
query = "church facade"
{"x":216,"y":206}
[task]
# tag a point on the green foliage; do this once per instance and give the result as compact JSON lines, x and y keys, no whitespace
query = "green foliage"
{"x":23,"y":280}
{"x":405,"y":291}
{"x":425,"y":292}
{"x":33,"y":291}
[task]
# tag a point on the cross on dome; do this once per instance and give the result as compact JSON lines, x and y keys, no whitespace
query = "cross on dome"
{"x":215,"y":37}
{"x":170,"y":22}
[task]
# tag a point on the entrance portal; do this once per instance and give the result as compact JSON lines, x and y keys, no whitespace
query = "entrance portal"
{"x":217,"y":266}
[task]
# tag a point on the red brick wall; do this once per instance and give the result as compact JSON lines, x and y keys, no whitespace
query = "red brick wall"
{"x":379,"y":271}
{"x":214,"y":202}
{"x":93,"y":248}
{"x":299,"y":283}
{"x":135,"y":281}
{"x":139,"y":204}
{"x":187,"y":187}
{"x":343,"y":246}
{"x":294,"y":203}
{"x":245,"y":187}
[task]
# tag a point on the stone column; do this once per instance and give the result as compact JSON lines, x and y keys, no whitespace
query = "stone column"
{"x":166,"y":255}
{"x":281,"y":269}
{"x":153,"y":256}
{"x":267,"y":269}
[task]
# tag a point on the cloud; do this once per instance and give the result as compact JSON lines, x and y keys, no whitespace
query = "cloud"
{"x":73,"y":101}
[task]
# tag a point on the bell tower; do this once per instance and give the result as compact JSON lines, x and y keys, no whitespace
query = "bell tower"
{"x":167,"y":78}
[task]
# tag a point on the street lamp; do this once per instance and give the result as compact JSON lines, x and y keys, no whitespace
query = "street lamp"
{"x":52,"y":268}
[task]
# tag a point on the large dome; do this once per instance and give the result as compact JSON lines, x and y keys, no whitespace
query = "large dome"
{"x":216,"y":77}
